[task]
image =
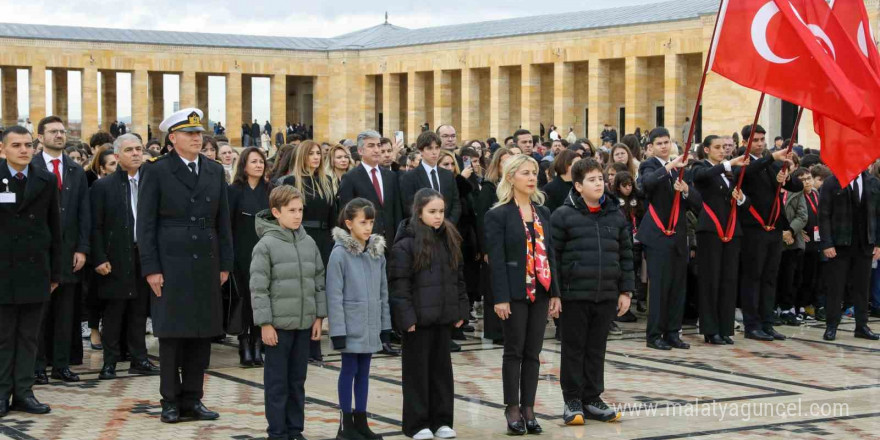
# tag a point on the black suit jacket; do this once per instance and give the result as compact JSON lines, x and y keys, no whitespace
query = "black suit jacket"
{"x":717,"y":194}
{"x":759,"y":185}
{"x":113,"y":235}
{"x":506,"y":246}
{"x":414,"y":180}
{"x":357,"y":183}
{"x":30,"y":241}
{"x":657,"y":183}
{"x":836,"y":213}
{"x":75,"y":212}
{"x":184,"y":233}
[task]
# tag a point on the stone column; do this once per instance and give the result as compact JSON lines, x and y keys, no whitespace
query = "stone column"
{"x":531,"y":98}
{"x":247,"y":93}
{"x":563,"y":97}
{"x":233,"y":108}
{"x":390,"y":104}
{"x":636,"y":94}
{"x":59,"y":94}
{"x":415,"y":102}
{"x":598,"y":97}
{"x":498,"y":102}
{"x":322,"y":104}
{"x":675,"y":108}
{"x":278,"y":105}
{"x":108,"y":99}
{"x":202,"y":99}
{"x":156,"y":104}
{"x":37,"y":94}
{"x":469,"y":95}
{"x":188,"y":89}
{"x":140,"y":97}
{"x":370,"y":103}
{"x":89,"y":102}
{"x":443,"y":99}
{"x":10,"y":96}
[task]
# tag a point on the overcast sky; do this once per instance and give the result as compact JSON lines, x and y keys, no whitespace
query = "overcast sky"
{"x":321,"y":18}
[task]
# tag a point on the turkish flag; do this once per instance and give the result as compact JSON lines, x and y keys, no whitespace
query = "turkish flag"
{"x":844,"y":150}
{"x":780,"y":56}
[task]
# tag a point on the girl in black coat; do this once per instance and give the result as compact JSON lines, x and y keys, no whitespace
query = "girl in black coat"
{"x":632,"y":205}
{"x":248,"y":195}
{"x":428,"y":297}
{"x":520,"y":250}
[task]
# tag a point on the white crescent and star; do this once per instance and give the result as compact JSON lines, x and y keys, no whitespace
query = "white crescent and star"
{"x":759,"y":34}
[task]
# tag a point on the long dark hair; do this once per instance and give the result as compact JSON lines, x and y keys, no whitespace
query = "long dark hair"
{"x":426,"y":238}
{"x":241,"y":177}
{"x":283,"y":162}
{"x":351,"y":210}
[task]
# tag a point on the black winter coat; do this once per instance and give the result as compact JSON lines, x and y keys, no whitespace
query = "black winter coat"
{"x":113,"y":236}
{"x":836,"y":213}
{"x":433,"y":296}
{"x":557,"y":192}
{"x":30,"y":241}
{"x":593,"y":250}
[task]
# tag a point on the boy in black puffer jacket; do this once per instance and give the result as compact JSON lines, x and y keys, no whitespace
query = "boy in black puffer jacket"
{"x":593,"y":247}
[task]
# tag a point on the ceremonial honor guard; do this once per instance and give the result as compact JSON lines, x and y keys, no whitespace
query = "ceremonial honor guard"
{"x":30,"y":265}
{"x":666,"y":246}
{"x":185,"y":242}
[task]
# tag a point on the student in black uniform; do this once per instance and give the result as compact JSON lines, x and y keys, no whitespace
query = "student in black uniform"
{"x":759,"y":261}
{"x":849,"y":239}
{"x":248,"y":195}
{"x":719,"y":240}
{"x":30,"y":270}
{"x":666,"y":251}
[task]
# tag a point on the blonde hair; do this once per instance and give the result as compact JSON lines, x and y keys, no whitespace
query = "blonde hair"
{"x":505,"y":184}
{"x":447,"y":153}
{"x":321,"y":185}
{"x":493,"y":173}
{"x":330,"y":168}
{"x":282,"y":195}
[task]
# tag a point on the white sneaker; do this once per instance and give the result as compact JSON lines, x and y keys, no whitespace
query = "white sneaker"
{"x":149,"y":326}
{"x":445,"y":432}
{"x":424,"y":434}
{"x":85,"y":330}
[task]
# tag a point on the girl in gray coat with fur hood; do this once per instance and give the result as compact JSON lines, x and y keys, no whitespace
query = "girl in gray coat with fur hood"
{"x":357,"y":306}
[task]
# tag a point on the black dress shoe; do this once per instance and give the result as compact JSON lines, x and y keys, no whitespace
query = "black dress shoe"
{"x":143,"y":367}
{"x":4,"y":406}
{"x":865,"y":333}
{"x":830,"y":333}
{"x":40,"y":378}
{"x":676,"y":342}
{"x":758,"y":335}
{"x":713,"y":339}
{"x":388,"y":349}
{"x":516,"y":427}
{"x":658,"y":344}
{"x":533,"y":427}
{"x":30,"y":405}
{"x":775,"y":334}
{"x":199,"y":412}
{"x":108,"y":372}
{"x":453,"y":347}
{"x":627,"y":317}
{"x":258,"y":351}
{"x":458,"y":335}
{"x":727,"y":340}
{"x":170,"y":412}
{"x":467,"y":328}
{"x":65,"y":375}
{"x":96,"y":347}
{"x":245,"y":352}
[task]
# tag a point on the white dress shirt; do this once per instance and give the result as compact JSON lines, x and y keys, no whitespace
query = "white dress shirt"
{"x":861,"y":185}
{"x":51,"y":168}
{"x":131,"y":197}
{"x":378,"y":177}
{"x":187,"y":162}
{"x":428,"y":170}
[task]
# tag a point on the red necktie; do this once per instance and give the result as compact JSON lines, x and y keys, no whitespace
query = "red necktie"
{"x":377,"y":187}
{"x":56,"y":171}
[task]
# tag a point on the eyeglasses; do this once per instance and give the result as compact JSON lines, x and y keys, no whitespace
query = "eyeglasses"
{"x":56,"y":132}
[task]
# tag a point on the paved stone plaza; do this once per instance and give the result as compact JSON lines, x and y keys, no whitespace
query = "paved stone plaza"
{"x":801,"y":375}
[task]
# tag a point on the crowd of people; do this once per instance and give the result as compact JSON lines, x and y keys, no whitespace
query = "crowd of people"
{"x":403,"y":249}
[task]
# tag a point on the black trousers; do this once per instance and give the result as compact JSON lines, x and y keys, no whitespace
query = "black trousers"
{"x":584,"y":332}
{"x":851,"y":265}
{"x":428,"y":387}
{"x":789,"y":266}
{"x":718,"y":264}
{"x":667,"y":290}
{"x":183,"y":362}
{"x":807,"y":279}
{"x":759,"y":269}
{"x":19,"y":327}
{"x":130,"y":315}
{"x":492,"y":328}
{"x":57,"y":327}
{"x":284,"y":376}
{"x":523,"y":341}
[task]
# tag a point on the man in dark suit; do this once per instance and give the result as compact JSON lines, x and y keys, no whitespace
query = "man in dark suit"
{"x":256,"y":130}
{"x":185,"y":243}
{"x":58,"y":323}
{"x":121,"y":286}
{"x":848,"y":234}
{"x":370,"y":181}
{"x":30,"y":265}
{"x":762,"y":236}
{"x":429,"y":175}
{"x":666,"y":250}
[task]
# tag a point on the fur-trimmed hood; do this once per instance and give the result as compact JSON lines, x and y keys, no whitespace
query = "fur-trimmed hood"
{"x":375,"y":246}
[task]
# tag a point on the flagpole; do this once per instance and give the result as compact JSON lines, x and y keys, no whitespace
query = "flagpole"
{"x":687,"y":143}
{"x":742,"y":171}
{"x":791,"y":144}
